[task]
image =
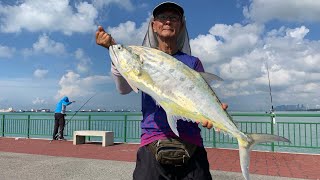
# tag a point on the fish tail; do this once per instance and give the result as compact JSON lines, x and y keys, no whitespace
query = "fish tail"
{"x":246,"y":144}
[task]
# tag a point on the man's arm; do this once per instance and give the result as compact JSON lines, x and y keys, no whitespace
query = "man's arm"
{"x":105,"y":40}
{"x":121,"y":84}
{"x":66,"y":103}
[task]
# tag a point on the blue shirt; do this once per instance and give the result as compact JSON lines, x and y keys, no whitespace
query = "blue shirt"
{"x":62,"y":104}
{"x":154,"y":124}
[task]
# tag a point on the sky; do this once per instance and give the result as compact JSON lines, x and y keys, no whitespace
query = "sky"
{"x":48,"y":50}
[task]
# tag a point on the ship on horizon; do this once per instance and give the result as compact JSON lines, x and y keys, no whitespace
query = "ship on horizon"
{"x":10,"y":109}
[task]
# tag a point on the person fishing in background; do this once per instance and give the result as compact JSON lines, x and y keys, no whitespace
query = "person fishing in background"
{"x":166,"y":32}
{"x":59,"y":118}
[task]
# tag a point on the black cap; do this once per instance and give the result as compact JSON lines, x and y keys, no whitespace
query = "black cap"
{"x":168,"y":5}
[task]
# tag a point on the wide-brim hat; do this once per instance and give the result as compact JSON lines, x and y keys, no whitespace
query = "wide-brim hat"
{"x":168,"y":5}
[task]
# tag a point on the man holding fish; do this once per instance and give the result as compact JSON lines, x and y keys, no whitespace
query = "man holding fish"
{"x":167,"y":32}
{"x":175,"y":95}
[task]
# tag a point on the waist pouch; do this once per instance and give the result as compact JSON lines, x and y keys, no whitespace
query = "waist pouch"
{"x":172,"y":151}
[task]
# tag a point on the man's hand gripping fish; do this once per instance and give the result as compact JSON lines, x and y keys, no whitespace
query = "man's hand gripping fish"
{"x":182,"y":92}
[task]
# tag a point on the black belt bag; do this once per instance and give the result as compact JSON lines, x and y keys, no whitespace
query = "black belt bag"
{"x":172,"y":151}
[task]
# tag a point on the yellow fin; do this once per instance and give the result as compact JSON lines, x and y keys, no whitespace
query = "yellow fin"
{"x":209,"y":78}
{"x":173,"y":124}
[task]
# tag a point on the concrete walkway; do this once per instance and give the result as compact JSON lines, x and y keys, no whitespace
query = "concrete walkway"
{"x":38,"y":159}
{"x":19,"y":166}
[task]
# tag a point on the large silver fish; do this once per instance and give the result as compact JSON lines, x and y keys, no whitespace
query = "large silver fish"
{"x":182,"y":92}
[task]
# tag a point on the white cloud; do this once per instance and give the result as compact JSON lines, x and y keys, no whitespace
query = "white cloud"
{"x":128,"y":33}
{"x":238,"y":69}
{"x":285,"y":10}
{"x":126,"y":4}
{"x":84,"y":61}
{"x":49,"y":15}
{"x":298,"y":33}
{"x":311,"y":61}
{"x":239,"y":54}
{"x":6,"y":52}
{"x":39,"y":101}
{"x":47,"y":46}
{"x":207,"y":47}
{"x":40,"y":73}
{"x":225,"y":41}
{"x":73,"y":85}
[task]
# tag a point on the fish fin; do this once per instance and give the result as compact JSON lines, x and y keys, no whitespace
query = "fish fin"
{"x":245,"y":146}
{"x":244,"y":154}
{"x":263,"y":138}
{"x":172,"y":121}
{"x":177,"y":117}
{"x":158,"y":104}
{"x":209,"y":78}
{"x":134,"y":88}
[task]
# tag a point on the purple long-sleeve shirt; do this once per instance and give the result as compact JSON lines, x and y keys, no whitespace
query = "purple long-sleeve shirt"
{"x":154,"y":124}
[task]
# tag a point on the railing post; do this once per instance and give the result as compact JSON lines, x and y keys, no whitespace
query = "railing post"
{"x":89,"y":125}
{"x":272,"y":116}
{"x":3,"y":117}
{"x":125,"y":128}
{"x":28,"y":131}
{"x":89,"y":121}
{"x":214,"y":143}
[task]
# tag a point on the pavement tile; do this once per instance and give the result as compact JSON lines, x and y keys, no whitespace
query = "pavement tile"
{"x":261,"y":163}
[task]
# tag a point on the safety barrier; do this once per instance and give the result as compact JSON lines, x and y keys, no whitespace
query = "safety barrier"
{"x":301,"y":128}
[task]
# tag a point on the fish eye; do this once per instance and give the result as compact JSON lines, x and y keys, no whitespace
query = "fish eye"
{"x":120,"y":47}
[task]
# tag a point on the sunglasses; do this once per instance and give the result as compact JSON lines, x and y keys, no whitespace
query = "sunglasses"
{"x":172,"y":17}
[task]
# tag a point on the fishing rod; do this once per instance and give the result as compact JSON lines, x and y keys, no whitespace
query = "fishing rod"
{"x":270,"y":93}
{"x":270,"y":88}
{"x":79,"y":109}
{"x":58,"y":134}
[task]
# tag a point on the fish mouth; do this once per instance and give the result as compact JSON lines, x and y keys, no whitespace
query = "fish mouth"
{"x":115,"y":59}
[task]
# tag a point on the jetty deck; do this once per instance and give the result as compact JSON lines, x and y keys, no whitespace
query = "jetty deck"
{"x":224,"y":163}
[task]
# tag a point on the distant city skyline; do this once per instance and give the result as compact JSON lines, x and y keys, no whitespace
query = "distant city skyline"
{"x":281,"y":107}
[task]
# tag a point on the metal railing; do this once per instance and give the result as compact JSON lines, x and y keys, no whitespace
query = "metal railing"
{"x":301,"y":129}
